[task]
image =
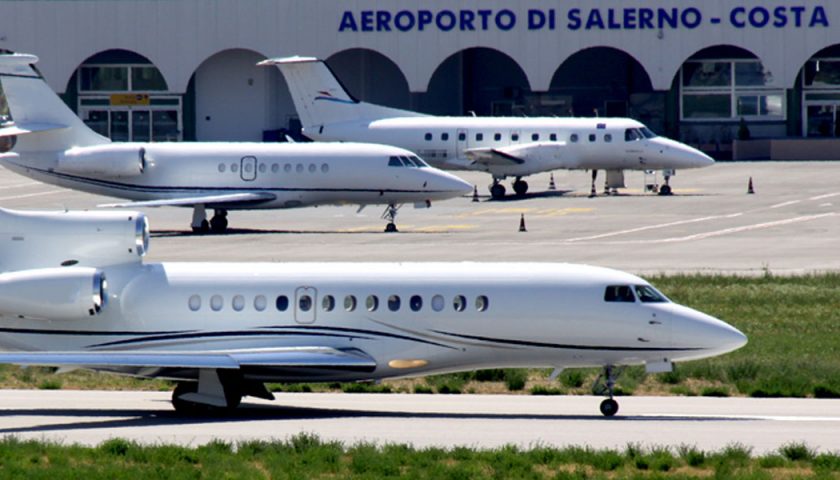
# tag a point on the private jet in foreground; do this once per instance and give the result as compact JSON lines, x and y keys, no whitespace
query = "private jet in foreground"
{"x":501,"y":146}
{"x":54,"y":146}
{"x":75,"y":292}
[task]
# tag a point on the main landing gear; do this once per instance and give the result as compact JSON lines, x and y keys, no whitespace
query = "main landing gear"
{"x":390,"y":215}
{"x":216,"y":391}
{"x":498,"y":191}
{"x":217,"y":224}
{"x":606,"y":383}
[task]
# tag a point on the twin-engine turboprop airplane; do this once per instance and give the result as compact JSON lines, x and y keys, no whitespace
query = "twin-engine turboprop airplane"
{"x":501,"y":146}
{"x":75,"y":292}
{"x":54,"y":146}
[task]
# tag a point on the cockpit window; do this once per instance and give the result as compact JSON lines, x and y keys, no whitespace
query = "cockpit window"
{"x":648,"y":294}
{"x":619,"y":293}
{"x":419,"y":161}
{"x":631,"y":135}
{"x":647,"y":132}
{"x":394,"y":162}
{"x":406,"y":161}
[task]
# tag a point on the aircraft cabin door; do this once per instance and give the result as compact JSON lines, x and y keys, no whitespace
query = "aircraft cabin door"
{"x":248,"y":168}
{"x":305,"y":301}
{"x":462,"y":142}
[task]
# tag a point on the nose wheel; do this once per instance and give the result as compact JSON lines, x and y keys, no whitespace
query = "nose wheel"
{"x":390,"y":215}
{"x":605,"y":383}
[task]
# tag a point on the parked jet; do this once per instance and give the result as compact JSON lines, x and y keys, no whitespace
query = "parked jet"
{"x":56,"y":147}
{"x":501,"y":146}
{"x":75,"y":292}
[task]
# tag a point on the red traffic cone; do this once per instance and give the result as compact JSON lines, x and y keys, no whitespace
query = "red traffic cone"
{"x":551,"y":185}
{"x":750,"y":189}
{"x":475,"y":193}
{"x":522,"y":223}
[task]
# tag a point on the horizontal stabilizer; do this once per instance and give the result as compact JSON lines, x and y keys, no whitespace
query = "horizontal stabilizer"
{"x":290,"y":357}
{"x":222,"y":199}
{"x":23,"y":129}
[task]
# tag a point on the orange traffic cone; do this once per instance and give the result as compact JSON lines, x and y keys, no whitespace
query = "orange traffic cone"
{"x":522,"y":223}
{"x":551,"y":185}
{"x":475,"y":193}
{"x":750,"y":189}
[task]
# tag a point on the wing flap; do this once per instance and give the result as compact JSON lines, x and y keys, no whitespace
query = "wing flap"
{"x":226,"y":198}
{"x":290,"y":357}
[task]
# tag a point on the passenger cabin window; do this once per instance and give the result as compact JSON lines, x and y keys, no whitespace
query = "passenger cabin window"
{"x":416,"y":303}
{"x":238,"y":303}
{"x":328,"y":303}
{"x":591,"y":137}
{"x":195,"y":303}
{"x":553,"y":137}
{"x":349,"y":303}
{"x":372,"y":303}
{"x":444,"y":136}
{"x":608,"y":138}
{"x":437,"y":303}
{"x":479,"y":137}
{"x":619,"y":293}
{"x":462,"y":137}
{"x":514,"y":137}
{"x":428,"y":137}
{"x":394,"y":303}
{"x":648,"y":294}
{"x":459,"y":303}
{"x":305,"y":303}
{"x":275,"y":168}
{"x":497,"y":137}
{"x":573,"y":138}
{"x":216,"y":303}
{"x":260,"y":303}
{"x":221,"y":168}
{"x":481,"y":303}
{"x":282,"y":303}
{"x":535,"y":137}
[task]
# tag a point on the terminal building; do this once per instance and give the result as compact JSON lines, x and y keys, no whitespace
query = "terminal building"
{"x":706,"y":73}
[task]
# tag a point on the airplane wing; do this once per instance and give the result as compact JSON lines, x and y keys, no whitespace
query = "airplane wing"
{"x":492,"y":156}
{"x":24,"y":128}
{"x":226,"y":198}
{"x":289,"y":357}
{"x":516,"y":154}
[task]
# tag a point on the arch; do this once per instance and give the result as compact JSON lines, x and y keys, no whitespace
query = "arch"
{"x":371,"y":76}
{"x":818,"y":90}
{"x":732,"y":52}
{"x":603,"y":81}
{"x":479,"y":79}
{"x":236,"y":100}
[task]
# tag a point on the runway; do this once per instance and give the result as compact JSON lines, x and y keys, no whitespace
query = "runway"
{"x":482,"y":421}
{"x":790,"y":225}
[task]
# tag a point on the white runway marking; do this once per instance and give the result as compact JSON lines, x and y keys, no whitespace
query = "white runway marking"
{"x":20,"y":185}
{"x":785,"y":204}
{"x":653,"y":227}
{"x":822,"y":197}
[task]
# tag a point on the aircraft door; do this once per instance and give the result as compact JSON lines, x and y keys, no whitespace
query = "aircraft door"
{"x":305,"y":302}
{"x":248,"y":168}
{"x":462,"y":142}
{"x":657,"y":331}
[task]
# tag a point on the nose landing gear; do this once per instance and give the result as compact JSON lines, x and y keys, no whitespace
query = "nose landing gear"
{"x":390,"y":215}
{"x":606,"y":383}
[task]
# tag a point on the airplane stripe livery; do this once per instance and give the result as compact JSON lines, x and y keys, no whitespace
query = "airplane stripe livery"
{"x":51,"y":144}
{"x":501,"y":146}
{"x":75,"y":292}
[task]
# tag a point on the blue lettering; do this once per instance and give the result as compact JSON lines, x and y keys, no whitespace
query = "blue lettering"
{"x":467,"y":17}
{"x":759,"y":16}
{"x":367,"y":20}
{"x":484,"y":15}
{"x":780,"y":17}
{"x":594,"y":20}
{"x":630,"y":18}
{"x":797,"y":15}
{"x":383,"y":21}
{"x":536,"y":19}
{"x":662,"y":17}
{"x":552,"y":20}
{"x":574,"y":19}
{"x":348,"y":22}
{"x":505,"y":20}
{"x":646,"y":18}
{"x":736,"y":17}
{"x":424,"y":17}
{"x":439,"y":20}
{"x":819,"y":17}
{"x":612,"y":24}
{"x":691,"y":18}
{"x":404,"y":20}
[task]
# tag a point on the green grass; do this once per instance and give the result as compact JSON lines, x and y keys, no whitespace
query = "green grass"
{"x":793,"y":325}
{"x":306,"y":456}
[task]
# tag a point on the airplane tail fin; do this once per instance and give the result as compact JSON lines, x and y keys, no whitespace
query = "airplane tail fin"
{"x":321,"y":99}
{"x":42,"y":120}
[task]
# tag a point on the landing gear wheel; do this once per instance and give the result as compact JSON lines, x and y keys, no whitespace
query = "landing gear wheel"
{"x":520,"y":187}
{"x":391,"y":228}
{"x":218,"y":224}
{"x":609,"y":407}
{"x":497,"y":191}
{"x":185,"y":407}
{"x":665,"y":190}
{"x":204,"y":228}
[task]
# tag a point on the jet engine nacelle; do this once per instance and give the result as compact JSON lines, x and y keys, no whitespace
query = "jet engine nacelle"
{"x":112,"y":160}
{"x":68,"y":293}
{"x":32,"y":240}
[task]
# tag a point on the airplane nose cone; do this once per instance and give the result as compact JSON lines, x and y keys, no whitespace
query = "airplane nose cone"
{"x":452,"y":184}
{"x":701,"y":336}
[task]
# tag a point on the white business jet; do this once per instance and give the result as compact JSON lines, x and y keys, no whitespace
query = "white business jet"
{"x":74,"y":292}
{"x":54,"y":146}
{"x":501,"y":146}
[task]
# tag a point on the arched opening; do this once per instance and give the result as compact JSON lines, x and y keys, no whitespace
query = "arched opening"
{"x":371,"y":77}
{"x":818,"y":89}
{"x":605,"y":81}
{"x":480,"y":80}
{"x":236,"y":100}
{"x":123,"y":96}
{"x":725,"y":92}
